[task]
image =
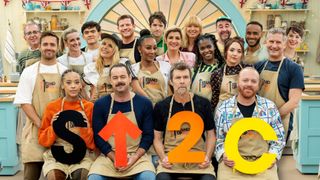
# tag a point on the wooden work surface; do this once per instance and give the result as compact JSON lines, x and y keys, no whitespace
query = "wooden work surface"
{"x":312,"y":87}
{"x":8,"y":84}
{"x":311,"y":81}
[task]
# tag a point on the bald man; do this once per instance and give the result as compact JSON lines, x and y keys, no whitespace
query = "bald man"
{"x":251,"y":145}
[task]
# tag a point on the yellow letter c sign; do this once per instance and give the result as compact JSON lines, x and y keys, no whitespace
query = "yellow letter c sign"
{"x":231,"y":145}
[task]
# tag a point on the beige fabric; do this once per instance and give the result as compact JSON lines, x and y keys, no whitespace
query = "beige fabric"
{"x":201,"y":84}
{"x":227,"y":173}
{"x":46,"y":89}
{"x":78,"y":68}
{"x":153,"y":84}
{"x":21,"y":121}
{"x":29,"y":62}
{"x":173,"y":138}
{"x":129,"y":53}
{"x":103,"y":87}
{"x":50,"y":163}
{"x":104,"y":166}
{"x":228,"y":85}
{"x":270,"y":90}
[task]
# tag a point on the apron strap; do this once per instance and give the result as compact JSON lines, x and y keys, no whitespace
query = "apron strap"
{"x":112,"y":102}
{"x":235,"y":108}
{"x":84,"y":58}
{"x":80,"y":100}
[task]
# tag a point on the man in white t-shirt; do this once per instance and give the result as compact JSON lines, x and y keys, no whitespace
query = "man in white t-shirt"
{"x":91,"y":32}
{"x":39,"y":84}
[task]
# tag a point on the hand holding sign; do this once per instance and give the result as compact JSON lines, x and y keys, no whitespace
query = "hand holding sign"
{"x":231,"y":145}
{"x":119,"y":126}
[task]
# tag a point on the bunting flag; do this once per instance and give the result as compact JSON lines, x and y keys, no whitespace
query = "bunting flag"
{"x":44,"y":4}
{"x":6,"y":2}
{"x":9,"y":48}
{"x":87,"y":3}
{"x":65,"y":3}
{"x":24,"y":2}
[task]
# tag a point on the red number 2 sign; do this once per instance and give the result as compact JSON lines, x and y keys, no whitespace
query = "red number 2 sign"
{"x":181,"y":153}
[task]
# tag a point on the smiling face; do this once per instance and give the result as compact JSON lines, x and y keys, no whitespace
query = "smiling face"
{"x":275,"y":44}
{"x":294,"y":40}
{"x":107,"y":48}
{"x":73,"y":41}
{"x":206,"y":49}
{"x":148,"y":49}
{"x":174,"y":41}
{"x":234,"y":54}
{"x":248,"y":83}
{"x":253,"y":35}
{"x":224,"y":29}
{"x":32,"y":35}
{"x":48,"y":48}
{"x":71,"y":85}
{"x":126,"y":28}
{"x":193,"y":31}
{"x":120,"y":80}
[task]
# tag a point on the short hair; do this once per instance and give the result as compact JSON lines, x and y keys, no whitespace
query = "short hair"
{"x":250,"y":68}
{"x":255,"y":23}
{"x":228,"y":43}
{"x":277,"y":31}
{"x":120,"y":65}
{"x":125,"y":16}
{"x":49,"y":33}
{"x":31,"y":24}
{"x":64,"y":35}
{"x":158,"y":15}
{"x":90,"y":24}
{"x":297,"y":29}
{"x":181,"y":66}
{"x":172,"y":29}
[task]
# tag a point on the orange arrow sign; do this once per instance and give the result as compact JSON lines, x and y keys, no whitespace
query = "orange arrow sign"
{"x":119,"y":126}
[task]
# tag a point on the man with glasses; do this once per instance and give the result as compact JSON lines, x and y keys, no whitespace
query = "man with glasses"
{"x":31,"y":54}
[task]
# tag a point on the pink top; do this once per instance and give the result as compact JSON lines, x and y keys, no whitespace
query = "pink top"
{"x":188,"y":57}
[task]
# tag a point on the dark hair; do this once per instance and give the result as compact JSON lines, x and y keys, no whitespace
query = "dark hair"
{"x":125,"y":16}
{"x":228,"y":43}
{"x":90,"y":24}
{"x":297,"y":29}
{"x":144,"y":34}
{"x":255,"y":23}
{"x":112,"y":37}
{"x":217,"y":53}
{"x":173,"y":29}
{"x":120,"y":65}
{"x":181,"y":66}
{"x":49,"y":33}
{"x":158,"y":15}
{"x":64,"y":74}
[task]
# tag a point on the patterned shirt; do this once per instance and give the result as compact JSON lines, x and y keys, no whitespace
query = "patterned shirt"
{"x":267,"y":111}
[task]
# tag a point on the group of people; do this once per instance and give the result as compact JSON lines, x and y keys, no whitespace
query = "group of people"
{"x":150,"y":79}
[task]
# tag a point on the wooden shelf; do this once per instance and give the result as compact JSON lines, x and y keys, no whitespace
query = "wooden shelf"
{"x":56,"y":11}
{"x":302,"y":50}
{"x":277,"y":10}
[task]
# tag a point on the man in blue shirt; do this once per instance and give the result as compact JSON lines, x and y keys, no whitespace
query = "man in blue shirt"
{"x":282,"y":79}
{"x":138,"y":110}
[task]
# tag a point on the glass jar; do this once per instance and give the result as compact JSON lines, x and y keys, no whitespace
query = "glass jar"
{"x":54,"y":23}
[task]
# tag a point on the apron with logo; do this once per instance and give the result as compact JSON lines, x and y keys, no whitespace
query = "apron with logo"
{"x":46,"y":89}
{"x":228,"y":86}
{"x":129,"y":53}
{"x":51,"y":163}
{"x":77,"y":67}
{"x":201,"y":83}
{"x":174,"y":138}
{"x":153,"y":84}
{"x":270,"y":90}
{"x":251,"y":146}
{"x":104,"y":165}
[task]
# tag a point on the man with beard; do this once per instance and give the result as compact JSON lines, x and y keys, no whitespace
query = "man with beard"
{"x":39,"y":84}
{"x":166,"y":140}
{"x":138,"y":110}
{"x":255,"y":51}
{"x":224,"y":29}
{"x":251,"y":145}
{"x":32,"y":35}
{"x":282,"y":79}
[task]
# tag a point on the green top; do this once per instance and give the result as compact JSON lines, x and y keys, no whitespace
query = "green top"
{"x":26,"y":55}
{"x":161,"y":43}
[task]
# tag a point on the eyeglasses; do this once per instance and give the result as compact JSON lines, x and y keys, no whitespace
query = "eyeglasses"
{"x":31,"y":32}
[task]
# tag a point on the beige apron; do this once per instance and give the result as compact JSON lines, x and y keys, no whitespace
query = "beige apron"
{"x":228,"y":86}
{"x":201,"y":84}
{"x":221,"y":48}
{"x":160,"y":50}
{"x":105,"y":167}
{"x":174,"y":138}
{"x":104,"y":87}
{"x":251,"y":147}
{"x":50,"y":163}
{"x":153,"y":84}
{"x":129,"y":53}
{"x":77,"y":67}
{"x":252,"y":58}
{"x":270,"y":90}
{"x":46,"y":89}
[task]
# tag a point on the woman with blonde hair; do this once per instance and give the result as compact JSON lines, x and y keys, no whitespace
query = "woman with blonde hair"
{"x":192,"y":29}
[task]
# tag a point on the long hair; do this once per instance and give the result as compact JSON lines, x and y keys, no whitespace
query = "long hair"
{"x":192,"y":20}
{"x":115,"y":58}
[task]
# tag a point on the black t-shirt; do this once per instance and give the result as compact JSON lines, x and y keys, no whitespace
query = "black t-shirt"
{"x":137,"y":56}
{"x":201,"y":106}
{"x":246,"y":111}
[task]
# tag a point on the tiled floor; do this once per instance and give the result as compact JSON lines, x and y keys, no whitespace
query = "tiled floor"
{"x":287,"y":172}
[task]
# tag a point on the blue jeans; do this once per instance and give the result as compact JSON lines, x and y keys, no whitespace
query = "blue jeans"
{"x":144,"y":175}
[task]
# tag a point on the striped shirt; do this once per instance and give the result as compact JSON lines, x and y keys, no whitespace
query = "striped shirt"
{"x":267,"y":111}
